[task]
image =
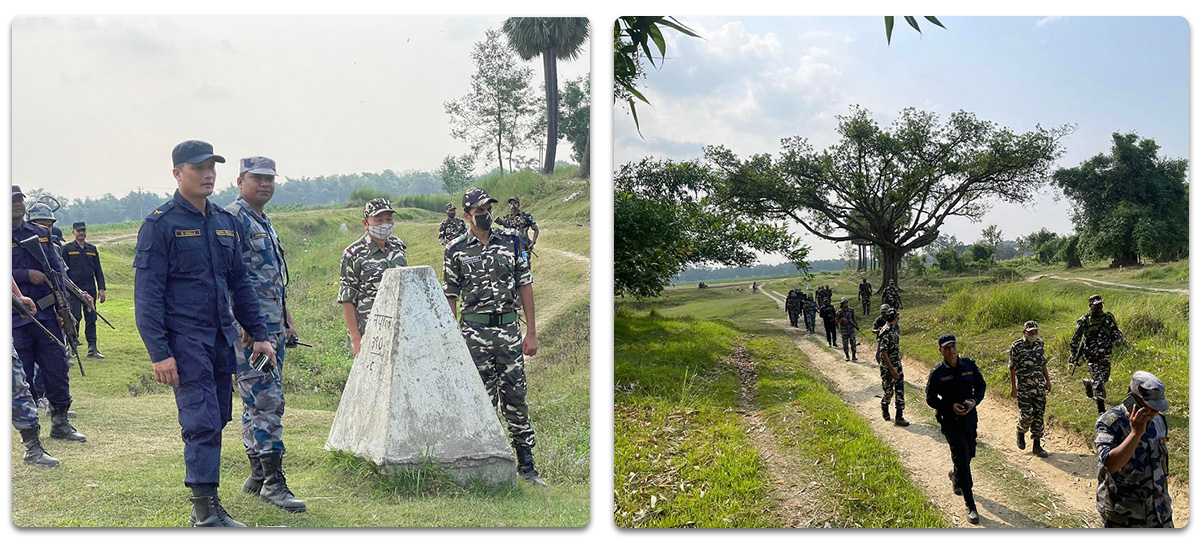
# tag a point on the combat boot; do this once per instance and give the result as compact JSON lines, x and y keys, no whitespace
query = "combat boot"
{"x":34,"y":453}
{"x":274,"y":487}
{"x":1100,"y":407}
{"x":900,"y":421}
{"x":60,"y":428}
{"x":1087,"y":387}
{"x":207,"y":510}
{"x":1038,"y":450}
{"x":254,"y":482}
{"x":973,"y":516}
{"x":954,"y":483}
{"x":886,"y":415}
{"x":1021,"y":439}
{"x":525,"y":467}
{"x":93,"y":352}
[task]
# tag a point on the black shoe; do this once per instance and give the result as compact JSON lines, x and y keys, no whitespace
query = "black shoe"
{"x":1087,"y":387}
{"x":207,"y":510}
{"x":973,"y":516}
{"x":34,"y":453}
{"x":954,"y":483}
{"x":1021,"y":439}
{"x":847,"y":358}
{"x":274,"y":487}
{"x":1100,"y":407}
{"x":254,"y":482}
{"x":525,"y":467}
{"x":60,"y":428}
{"x":1038,"y":450}
{"x":94,"y":353}
{"x":886,"y":416}
{"x":900,"y":421}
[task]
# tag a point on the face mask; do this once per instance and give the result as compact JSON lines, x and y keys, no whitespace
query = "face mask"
{"x":381,"y":231}
{"x":484,"y":221}
{"x":1029,"y":338}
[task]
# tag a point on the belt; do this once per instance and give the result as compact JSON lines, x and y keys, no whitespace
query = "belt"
{"x":490,"y":319}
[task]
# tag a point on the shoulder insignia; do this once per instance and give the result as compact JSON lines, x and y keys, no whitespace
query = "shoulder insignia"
{"x":458,"y":240}
{"x":185,"y":233}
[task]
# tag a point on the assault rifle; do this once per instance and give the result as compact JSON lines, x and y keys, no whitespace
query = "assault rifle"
{"x":79,"y":295}
{"x":55,"y":281}
{"x":23,"y":311}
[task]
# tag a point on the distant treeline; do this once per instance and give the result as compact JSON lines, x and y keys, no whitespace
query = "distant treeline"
{"x":321,"y":190}
{"x":762,"y":270}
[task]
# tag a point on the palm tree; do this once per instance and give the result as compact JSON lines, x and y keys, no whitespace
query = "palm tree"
{"x":552,"y":38}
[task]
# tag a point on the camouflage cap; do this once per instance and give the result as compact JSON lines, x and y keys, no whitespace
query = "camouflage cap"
{"x":1031,"y":325}
{"x":1150,"y":388}
{"x":258,"y":165}
{"x":514,"y":199}
{"x":1095,"y":299}
{"x":476,"y":197}
{"x":375,"y":207}
{"x":449,"y":206}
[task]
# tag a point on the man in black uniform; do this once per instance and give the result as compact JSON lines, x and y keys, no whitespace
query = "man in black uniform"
{"x":828,"y":317}
{"x":83,"y":267}
{"x":955,"y":387}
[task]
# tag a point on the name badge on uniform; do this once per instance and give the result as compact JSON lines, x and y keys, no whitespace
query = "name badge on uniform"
{"x":184,"y":233}
{"x":472,"y":260}
{"x":946,"y":378}
{"x":258,"y":235}
{"x":74,"y":253}
{"x":224,"y":232}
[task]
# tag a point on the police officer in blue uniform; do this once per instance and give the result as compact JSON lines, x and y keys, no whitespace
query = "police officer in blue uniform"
{"x":188,"y":270}
{"x":955,"y":387}
{"x":32,"y":344}
{"x":83,"y":268}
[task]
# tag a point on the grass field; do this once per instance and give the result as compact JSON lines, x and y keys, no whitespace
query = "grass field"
{"x":130,"y":472}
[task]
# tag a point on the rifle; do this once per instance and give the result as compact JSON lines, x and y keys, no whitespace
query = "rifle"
{"x":23,"y":311}
{"x":54,"y":280}
{"x":1074,"y":365}
{"x":78,"y":294}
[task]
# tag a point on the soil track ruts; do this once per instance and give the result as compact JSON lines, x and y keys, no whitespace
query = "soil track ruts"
{"x":1182,"y":292}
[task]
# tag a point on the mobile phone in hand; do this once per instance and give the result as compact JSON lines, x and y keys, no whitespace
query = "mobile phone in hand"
{"x":1130,"y":404}
{"x":258,"y":361}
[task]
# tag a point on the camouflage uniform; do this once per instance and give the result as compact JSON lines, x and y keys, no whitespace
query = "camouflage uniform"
{"x":485,"y":280}
{"x":24,"y":408}
{"x":451,"y":228}
{"x":889,"y":340}
{"x":262,"y":392}
{"x":520,"y":222}
{"x":864,"y":294}
{"x":1097,"y":332}
{"x":1028,"y":360}
{"x":846,"y":326}
{"x":1136,"y":495}
{"x":810,"y":314}
{"x":891,"y":296}
{"x":363,"y":264}
{"x":792,"y":305}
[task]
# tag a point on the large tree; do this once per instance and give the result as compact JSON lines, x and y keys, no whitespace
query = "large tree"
{"x":553,"y":39}
{"x":576,"y":103}
{"x":893,"y":187}
{"x":1130,"y":203}
{"x":664,"y":221}
{"x":496,"y":113}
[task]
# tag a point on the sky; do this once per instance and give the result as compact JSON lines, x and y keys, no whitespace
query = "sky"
{"x":99,"y":102}
{"x":755,"y":80}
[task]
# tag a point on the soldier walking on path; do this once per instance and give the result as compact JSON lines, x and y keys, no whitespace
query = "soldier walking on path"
{"x":83,"y":268}
{"x":1131,"y":446}
{"x":891,"y":295}
{"x":451,"y":228}
{"x":189,"y":286}
{"x":1095,"y":336}
{"x":829,"y":319}
{"x":363,"y":264}
{"x":891,"y":369}
{"x":954,"y":389}
{"x":864,"y":294}
{"x":810,"y":312}
{"x":522,"y":222}
{"x":792,"y":305}
{"x":847,"y":325}
{"x":1029,"y":382}
{"x":484,"y":271}
{"x":261,"y":389}
{"x":24,"y":409}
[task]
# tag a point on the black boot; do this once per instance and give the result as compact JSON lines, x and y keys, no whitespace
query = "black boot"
{"x":274,"y":487}
{"x":900,"y":421}
{"x":1038,"y":450}
{"x":1021,"y":439}
{"x":1100,"y":407}
{"x":1087,"y":387}
{"x":254,"y":482}
{"x":93,"y":352}
{"x":207,"y":510}
{"x":886,"y":415}
{"x":954,"y":483}
{"x":525,"y":466}
{"x":60,"y":428}
{"x":34,"y":453}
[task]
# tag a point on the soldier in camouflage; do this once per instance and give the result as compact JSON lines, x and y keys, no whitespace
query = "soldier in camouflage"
{"x":810,"y":312}
{"x":451,"y":228}
{"x":522,"y":222}
{"x":891,"y":295}
{"x":1029,"y":382}
{"x":24,"y":408}
{"x":484,"y":272}
{"x":891,"y":370}
{"x":847,"y":325}
{"x":864,"y":294}
{"x":1095,"y":336}
{"x":363,"y":264}
{"x":262,"y":389}
{"x":792,"y":305}
{"x":1131,"y":448}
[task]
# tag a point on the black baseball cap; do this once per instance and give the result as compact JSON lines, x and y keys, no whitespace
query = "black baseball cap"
{"x":79,"y":226}
{"x":946,"y":339}
{"x":193,"y":152}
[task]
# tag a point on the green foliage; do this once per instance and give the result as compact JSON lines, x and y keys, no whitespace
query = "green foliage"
{"x":1177,"y":272}
{"x":915,"y":262}
{"x":949,"y":260}
{"x":1000,"y":307}
{"x":889,"y":22}
{"x":632,"y":39}
{"x":981,"y":255}
{"x":455,"y":172}
{"x":576,"y":119}
{"x":1130,"y":203}
{"x":1069,"y":252}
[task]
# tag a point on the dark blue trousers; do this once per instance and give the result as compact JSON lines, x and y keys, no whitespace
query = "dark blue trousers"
{"x":38,"y":349}
{"x":204,"y":399}
{"x":961,"y":435}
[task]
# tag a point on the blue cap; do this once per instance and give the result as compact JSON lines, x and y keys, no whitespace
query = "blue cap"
{"x":946,"y":339}
{"x":193,"y":152}
{"x":258,"y":165}
{"x":17,"y":191}
{"x":1145,"y":385}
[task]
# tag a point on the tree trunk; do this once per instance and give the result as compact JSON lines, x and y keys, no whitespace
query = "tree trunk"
{"x":891,"y":265}
{"x":585,"y":164}
{"x":550,"y":67}
{"x":1125,"y":259}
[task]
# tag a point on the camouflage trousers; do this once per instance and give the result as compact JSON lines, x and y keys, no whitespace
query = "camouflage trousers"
{"x":24,"y":409}
{"x":1100,"y":369}
{"x":849,"y":343}
{"x":892,"y":387}
{"x":496,"y":351}
{"x":262,"y":402}
{"x":1031,"y":400}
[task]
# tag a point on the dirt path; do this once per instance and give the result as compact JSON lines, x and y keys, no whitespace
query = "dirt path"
{"x":118,"y":239}
{"x":567,"y":254}
{"x":1182,"y":292}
